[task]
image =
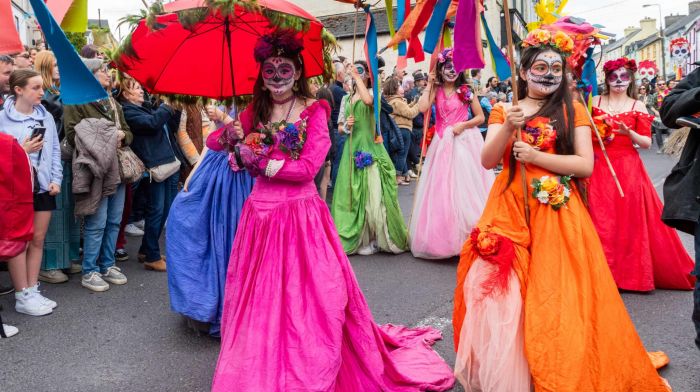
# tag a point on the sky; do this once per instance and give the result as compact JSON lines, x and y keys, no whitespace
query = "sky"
{"x":615,"y":15}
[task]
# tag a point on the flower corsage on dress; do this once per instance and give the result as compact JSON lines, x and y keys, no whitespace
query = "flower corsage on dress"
{"x":253,"y":152}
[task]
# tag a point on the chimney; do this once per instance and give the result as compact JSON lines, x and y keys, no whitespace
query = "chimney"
{"x":671,"y":19}
{"x":630,"y":30}
{"x":648,"y":25}
{"x":693,"y":6}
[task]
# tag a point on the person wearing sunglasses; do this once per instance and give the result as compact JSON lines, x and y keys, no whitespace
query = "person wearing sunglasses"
{"x":642,"y":253}
{"x":23,"y":60}
{"x":365,"y":201}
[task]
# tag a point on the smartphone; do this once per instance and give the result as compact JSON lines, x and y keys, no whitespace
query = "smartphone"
{"x":38,"y":131}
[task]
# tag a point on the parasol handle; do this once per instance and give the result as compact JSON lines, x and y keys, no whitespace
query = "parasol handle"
{"x":605,"y":152}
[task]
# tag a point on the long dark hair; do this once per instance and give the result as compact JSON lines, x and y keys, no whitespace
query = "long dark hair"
{"x":363,"y":63}
{"x":558,"y":107}
{"x":631,"y":89}
{"x":262,"y":99}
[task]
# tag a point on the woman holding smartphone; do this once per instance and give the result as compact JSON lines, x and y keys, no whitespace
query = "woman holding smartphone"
{"x":24,"y":118}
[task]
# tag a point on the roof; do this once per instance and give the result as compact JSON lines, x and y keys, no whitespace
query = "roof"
{"x":98,"y":22}
{"x":342,"y":25}
{"x":679,"y":25}
{"x":620,"y":42}
{"x":636,"y":45}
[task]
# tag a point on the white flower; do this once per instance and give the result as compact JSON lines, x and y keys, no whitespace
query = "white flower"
{"x":543,"y":197}
{"x":567,"y":192}
{"x":544,"y":178}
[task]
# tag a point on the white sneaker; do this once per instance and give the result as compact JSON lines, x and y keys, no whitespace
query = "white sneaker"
{"x":10,"y":331}
{"x":35,"y":290}
{"x":368,"y":250}
{"x":30,"y":304}
{"x":132,"y":230}
{"x":114,"y":275}
{"x":93,"y":281}
{"x":140,"y":224}
{"x":412,"y":174}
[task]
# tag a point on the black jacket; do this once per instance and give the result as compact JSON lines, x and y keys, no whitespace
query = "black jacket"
{"x":682,"y":186}
{"x":338,"y":94}
{"x":154,"y":138}
{"x":52,"y":102}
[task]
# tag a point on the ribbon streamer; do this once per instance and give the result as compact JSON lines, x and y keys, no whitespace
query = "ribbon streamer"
{"x":390,"y":15}
{"x":468,"y":52}
{"x":434,"y":29}
{"x":371,"y":56}
{"x":78,"y":84}
{"x":403,"y":5}
{"x":500,"y":64}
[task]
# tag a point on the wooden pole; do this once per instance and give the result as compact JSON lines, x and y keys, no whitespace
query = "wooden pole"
{"x":514,"y":82}
{"x":605,"y":153}
{"x":351,"y":158}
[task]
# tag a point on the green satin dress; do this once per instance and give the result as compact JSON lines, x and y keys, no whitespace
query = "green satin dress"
{"x":369,"y":212}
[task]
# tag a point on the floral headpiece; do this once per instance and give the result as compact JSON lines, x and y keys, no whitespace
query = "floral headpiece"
{"x":558,"y":41}
{"x":445,"y":55}
{"x":280,"y":43}
{"x":613,"y":65}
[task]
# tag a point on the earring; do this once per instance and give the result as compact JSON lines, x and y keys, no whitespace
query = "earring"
{"x":296,"y":87}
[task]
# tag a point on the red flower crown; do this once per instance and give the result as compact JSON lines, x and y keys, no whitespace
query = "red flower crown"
{"x":614,"y":65}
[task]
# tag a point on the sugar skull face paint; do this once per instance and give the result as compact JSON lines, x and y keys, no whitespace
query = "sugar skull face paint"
{"x":546,"y":73}
{"x":619,"y":80}
{"x":449,"y":74}
{"x":279,"y":75}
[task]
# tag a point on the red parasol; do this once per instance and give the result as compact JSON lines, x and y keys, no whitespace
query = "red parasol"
{"x":209,"y":52}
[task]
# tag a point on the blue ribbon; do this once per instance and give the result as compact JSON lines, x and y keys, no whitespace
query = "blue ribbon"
{"x":400,"y":18}
{"x":500,"y":63}
{"x":371,"y":55}
{"x":588,"y":75}
{"x":78,"y":84}
{"x":432,"y":32}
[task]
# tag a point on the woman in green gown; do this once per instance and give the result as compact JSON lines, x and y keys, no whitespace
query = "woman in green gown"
{"x":365,"y":203}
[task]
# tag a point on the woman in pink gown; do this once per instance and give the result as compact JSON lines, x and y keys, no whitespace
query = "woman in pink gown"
{"x":294,"y":317}
{"x":453,"y":186}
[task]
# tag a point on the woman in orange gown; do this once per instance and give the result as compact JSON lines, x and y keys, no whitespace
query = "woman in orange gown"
{"x":535,"y":303}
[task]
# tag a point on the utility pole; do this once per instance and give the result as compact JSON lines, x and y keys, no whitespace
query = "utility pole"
{"x":663,"y":39}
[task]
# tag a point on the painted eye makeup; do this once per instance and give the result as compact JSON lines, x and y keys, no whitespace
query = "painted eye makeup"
{"x":284,"y":71}
{"x":449,"y":66}
{"x":625,"y":77}
{"x":360,"y":69}
{"x":541,"y":68}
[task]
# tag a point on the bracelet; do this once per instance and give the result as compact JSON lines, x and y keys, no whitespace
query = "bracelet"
{"x":273,"y":166}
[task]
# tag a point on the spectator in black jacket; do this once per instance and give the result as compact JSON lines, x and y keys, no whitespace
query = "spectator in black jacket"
{"x":155,"y":144}
{"x":682,"y":187}
{"x":338,"y":93}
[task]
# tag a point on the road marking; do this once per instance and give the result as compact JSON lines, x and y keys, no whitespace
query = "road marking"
{"x":436,"y":322}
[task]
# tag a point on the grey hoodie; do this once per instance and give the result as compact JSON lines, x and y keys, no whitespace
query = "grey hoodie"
{"x":48,"y":161}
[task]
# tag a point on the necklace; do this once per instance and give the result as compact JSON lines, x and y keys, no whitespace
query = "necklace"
{"x":540,"y":101}
{"x":282,"y":102}
{"x":289,"y":112}
{"x":618,"y":110}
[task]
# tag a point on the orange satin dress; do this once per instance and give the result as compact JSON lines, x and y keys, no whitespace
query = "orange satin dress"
{"x":577,"y":333}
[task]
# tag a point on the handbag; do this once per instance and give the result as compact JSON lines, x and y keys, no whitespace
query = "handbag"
{"x":161,"y":172}
{"x":66,"y":150}
{"x":131,"y":168}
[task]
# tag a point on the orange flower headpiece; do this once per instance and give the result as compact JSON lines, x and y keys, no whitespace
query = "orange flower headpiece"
{"x":559,"y":41}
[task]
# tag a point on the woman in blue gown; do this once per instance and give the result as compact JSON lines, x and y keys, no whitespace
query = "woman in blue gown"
{"x":199,"y":236}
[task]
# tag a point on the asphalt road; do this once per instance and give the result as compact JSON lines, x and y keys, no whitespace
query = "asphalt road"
{"x":126,"y":339}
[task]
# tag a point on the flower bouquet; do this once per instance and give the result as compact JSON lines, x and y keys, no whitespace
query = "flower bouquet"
{"x":290,"y":137}
{"x":539,"y":133}
{"x":253,"y":152}
{"x":552,"y":190}
{"x":363,"y":159}
{"x":605,"y":125}
{"x":465,"y":94}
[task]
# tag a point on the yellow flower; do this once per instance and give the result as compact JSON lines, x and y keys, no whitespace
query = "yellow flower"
{"x":549,"y":184}
{"x":558,"y":196}
{"x":542,"y":35}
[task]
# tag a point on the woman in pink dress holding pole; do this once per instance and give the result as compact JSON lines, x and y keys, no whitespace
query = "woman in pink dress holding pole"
{"x":294,"y":317}
{"x":453,"y":185}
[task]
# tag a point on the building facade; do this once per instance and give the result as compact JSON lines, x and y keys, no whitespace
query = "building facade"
{"x":25,"y":24}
